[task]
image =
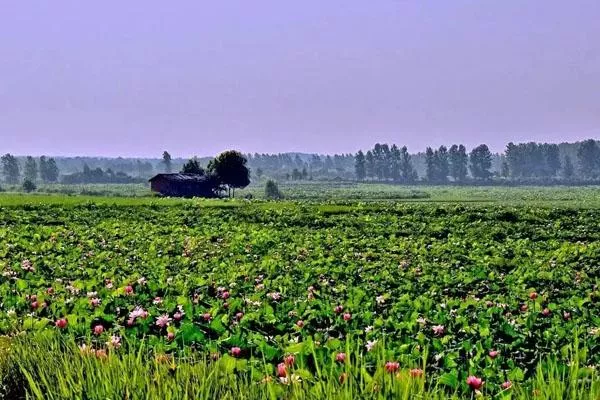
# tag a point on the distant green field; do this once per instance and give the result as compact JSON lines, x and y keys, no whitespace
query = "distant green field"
{"x":324,"y":192}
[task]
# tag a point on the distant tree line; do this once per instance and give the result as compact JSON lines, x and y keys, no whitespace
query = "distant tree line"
{"x":43,"y":170}
{"x":521,"y":163}
{"x":97,"y":175}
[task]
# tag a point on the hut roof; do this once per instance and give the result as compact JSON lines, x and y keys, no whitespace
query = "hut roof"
{"x":179,"y":177}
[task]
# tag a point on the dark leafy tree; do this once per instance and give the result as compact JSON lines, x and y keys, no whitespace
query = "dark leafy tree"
{"x":52,"y":171}
{"x":552,"y":159}
{"x":481,"y":162}
{"x":568,"y":170}
{"x":10,"y":168}
{"x":167,"y":162}
{"x":430,"y":172}
{"x":441,"y":164}
{"x":272,"y":190}
{"x":394,"y":160}
{"x":370,"y":164}
{"x":588,"y":156}
{"x":29,"y":186}
{"x":192,"y":167}
{"x":407,"y":171}
{"x":359,"y":166}
{"x":231,"y":170}
{"x":31,"y":169}
{"x":458,"y":160}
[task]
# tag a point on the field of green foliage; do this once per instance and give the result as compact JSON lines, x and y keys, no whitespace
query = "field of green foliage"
{"x":435,"y":297}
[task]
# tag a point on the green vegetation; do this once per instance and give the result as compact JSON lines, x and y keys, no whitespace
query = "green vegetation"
{"x":207,"y":298}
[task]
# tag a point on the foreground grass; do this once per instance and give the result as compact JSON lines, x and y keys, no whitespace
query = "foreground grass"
{"x":49,"y":367}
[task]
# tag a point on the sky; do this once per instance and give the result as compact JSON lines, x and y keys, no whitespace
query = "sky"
{"x":134,"y":78}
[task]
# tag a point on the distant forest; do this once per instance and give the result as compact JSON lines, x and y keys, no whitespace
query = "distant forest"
{"x":522,"y":163}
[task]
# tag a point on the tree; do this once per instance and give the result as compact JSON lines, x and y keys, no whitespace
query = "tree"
{"x":370,"y":164}
{"x":430,"y":164}
{"x":407,"y":171}
{"x":272,"y":190}
{"x":166,"y":160}
{"x":192,"y":167}
{"x":29,"y":186}
{"x":48,"y":169}
{"x":259,"y":173}
{"x":395,"y":157}
{"x":568,"y":170}
{"x":31,"y":169}
{"x":231,"y":170}
{"x":441,"y":164}
{"x":481,"y":162}
{"x":458,"y":159}
{"x":359,"y":166}
{"x":588,"y":156}
{"x":10,"y":168}
{"x":552,"y":159}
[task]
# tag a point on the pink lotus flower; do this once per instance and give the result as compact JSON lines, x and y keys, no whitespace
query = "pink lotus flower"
{"x":108,"y":284}
{"x":493,"y":353}
{"x":533,"y":295}
{"x":236,"y":351}
{"x":157,"y":300}
{"x":170,"y":336}
{"x":95,"y":302}
{"x":50,"y":291}
{"x":416,"y":372}
{"x":98,"y":329}
{"x":27,"y":266}
{"x":546,"y":312}
{"x":128,"y":290}
{"x":281,"y":370}
{"x":338,"y":309}
{"x":61,"y":323}
{"x":347,"y":317}
{"x":225,"y":295}
{"x":32,"y":297}
{"x":567,"y":315}
{"x":392,"y":366}
{"x":289,"y":359}
{"x":163,"y":320}
{"x":239,"y":315}
{"x":34,"y":305}
{"x":177,"y":316}
{"x":474,"y":382}
{"x":115,"y":341}
{"x":340,"y":357}
{"x":300,"y":323}
{"x":438,"y":329}
{"x":506,"y":385}
{"x":275,"y":296}
{"x":207,"y":317}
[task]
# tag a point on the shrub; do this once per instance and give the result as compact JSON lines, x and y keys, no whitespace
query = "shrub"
{"x":272,"y":190}
{"x":29,"y":186}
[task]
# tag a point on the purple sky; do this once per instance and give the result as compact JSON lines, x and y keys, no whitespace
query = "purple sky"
{"x":133,"y":78}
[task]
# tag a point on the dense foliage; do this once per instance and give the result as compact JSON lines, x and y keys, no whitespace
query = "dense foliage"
{"x":456,"y":290}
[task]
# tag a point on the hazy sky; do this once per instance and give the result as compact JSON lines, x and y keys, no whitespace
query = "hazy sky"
{"x":196,"y":77}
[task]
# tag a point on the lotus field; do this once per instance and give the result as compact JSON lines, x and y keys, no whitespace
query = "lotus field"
{"x":299,"y":300}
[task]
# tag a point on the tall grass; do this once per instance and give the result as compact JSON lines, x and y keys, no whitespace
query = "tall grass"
{"x":47,"y":367}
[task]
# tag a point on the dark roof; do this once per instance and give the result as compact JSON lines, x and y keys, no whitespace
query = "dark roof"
{"x":180,"y":177}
